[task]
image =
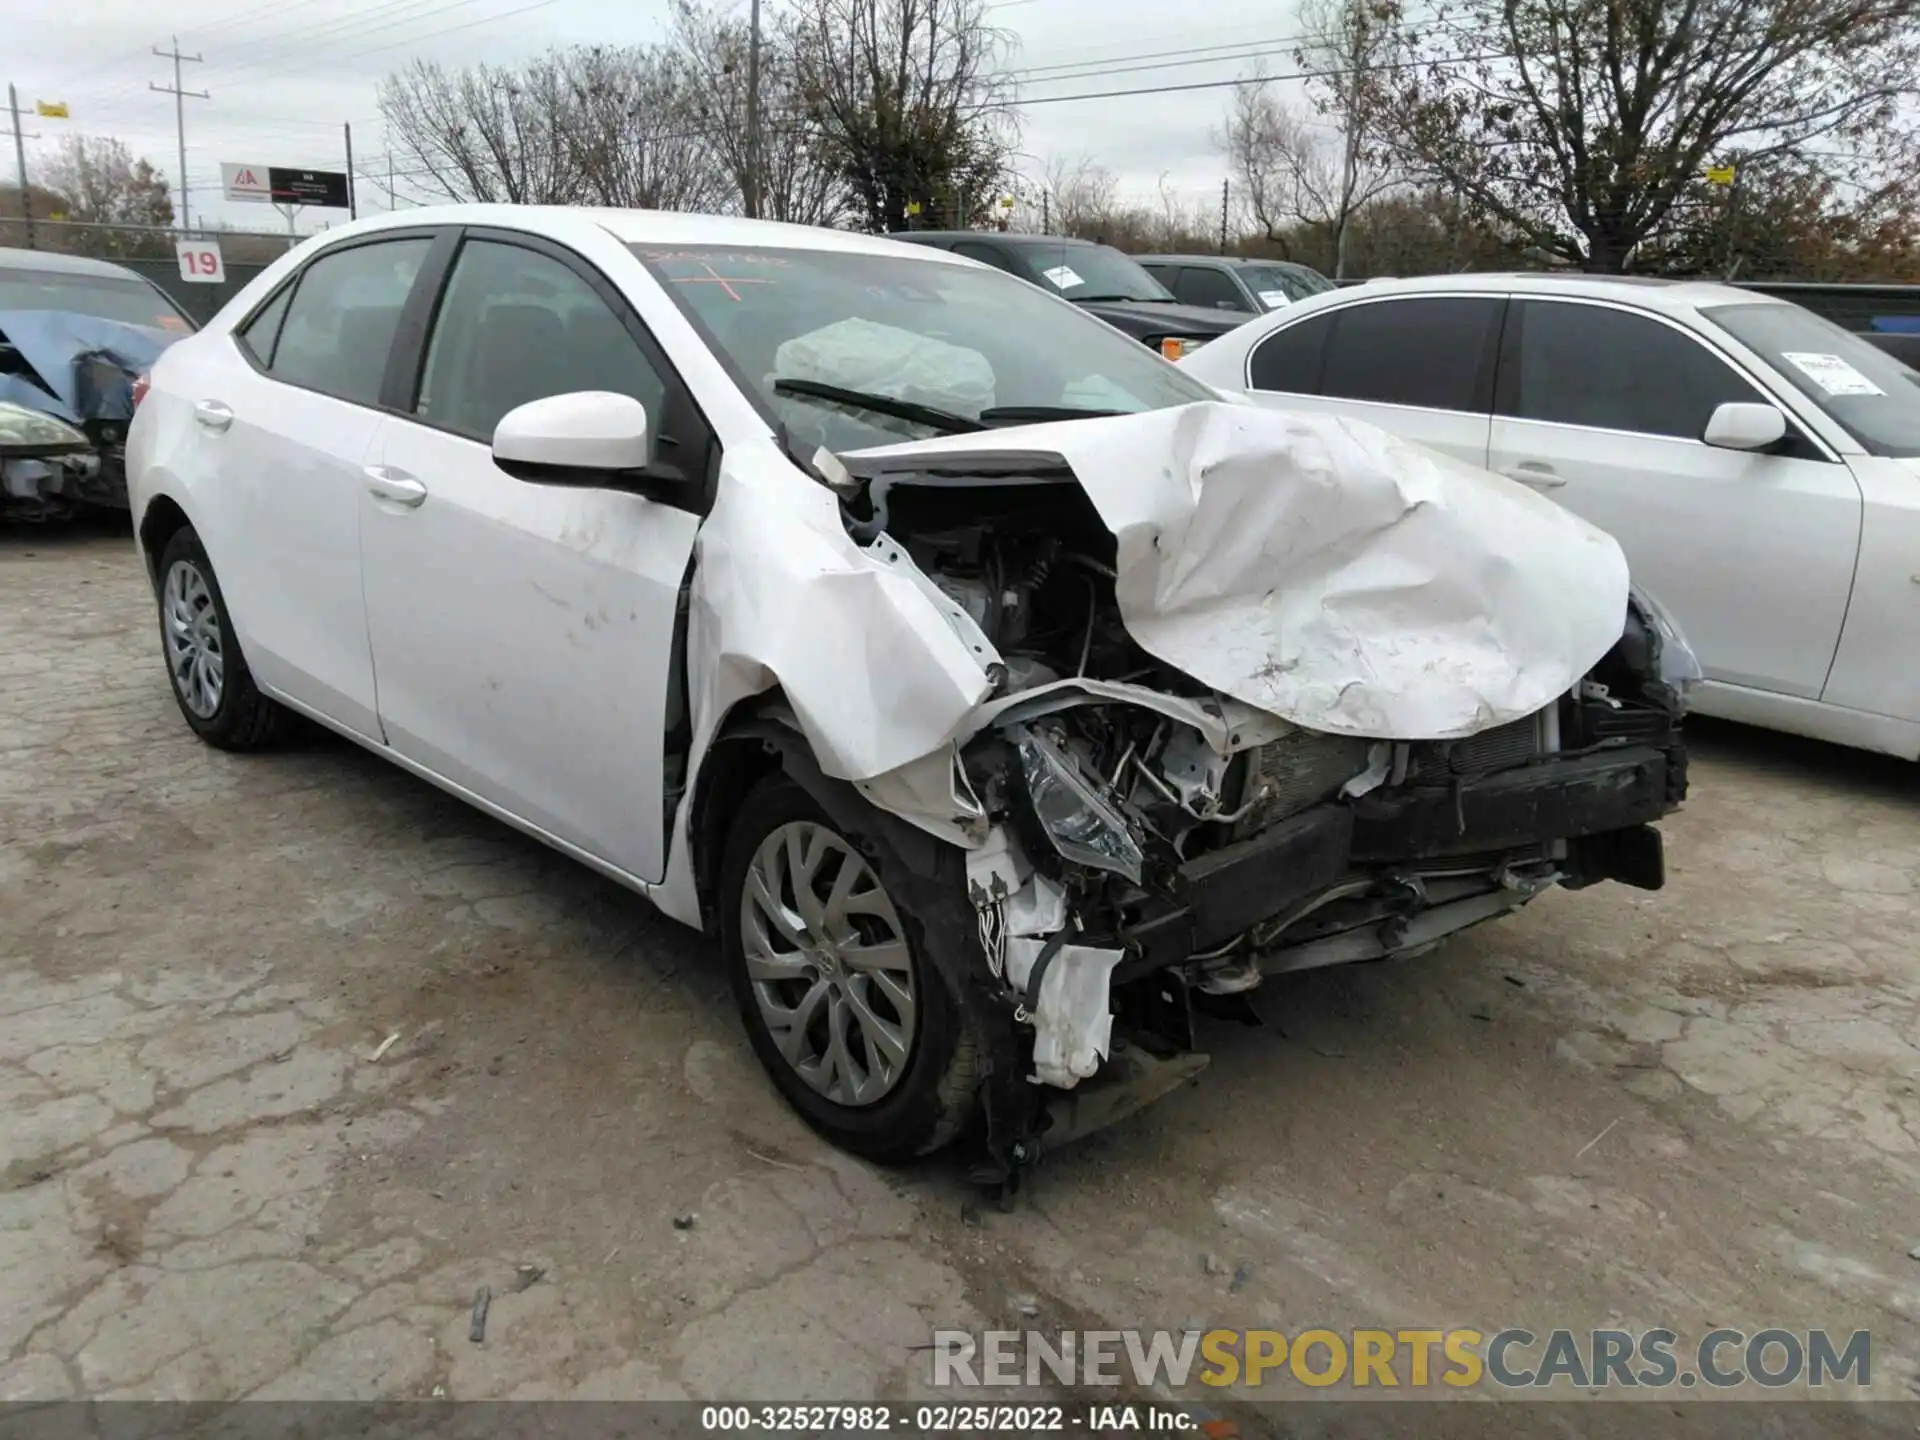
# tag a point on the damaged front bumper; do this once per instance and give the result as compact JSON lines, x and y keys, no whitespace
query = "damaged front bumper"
{"x":1102,"y":940}
{"x":48,"y":467}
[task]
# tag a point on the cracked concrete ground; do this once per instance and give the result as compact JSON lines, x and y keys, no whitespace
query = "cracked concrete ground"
{"x":296,"y":1053}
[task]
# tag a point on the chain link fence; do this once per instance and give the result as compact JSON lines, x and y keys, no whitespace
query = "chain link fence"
{"x":151,"y":250}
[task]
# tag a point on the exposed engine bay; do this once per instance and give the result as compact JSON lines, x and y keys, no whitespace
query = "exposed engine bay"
{"x":1156,"y":848}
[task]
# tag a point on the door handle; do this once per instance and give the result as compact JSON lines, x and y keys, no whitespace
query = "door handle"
{"x":1540,"y":477}
{"x":386,"y":483}
{"x":212,"y":414}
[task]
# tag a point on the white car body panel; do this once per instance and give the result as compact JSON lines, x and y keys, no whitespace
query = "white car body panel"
{"x":1793,"y":577}
{"x":522,"y":637}
{"x":1771,"y":515}
{"x":1325,"y":572}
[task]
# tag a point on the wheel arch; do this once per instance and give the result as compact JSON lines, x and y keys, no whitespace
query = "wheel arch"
{"x":159,"y":522}
{"x":759,"y":737}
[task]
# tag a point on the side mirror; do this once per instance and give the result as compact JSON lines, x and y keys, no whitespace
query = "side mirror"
{"x":1741,"y":425}
{"x":589,"y":437}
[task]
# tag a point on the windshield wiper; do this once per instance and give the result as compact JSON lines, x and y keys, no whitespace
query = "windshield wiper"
{"x":945,"y":421}
{"x":1039,"y":414}
{"x":1124,"y":299}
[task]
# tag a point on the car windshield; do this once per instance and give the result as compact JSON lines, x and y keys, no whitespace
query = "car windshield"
{"x":130,"y":301}
{"x":1093,"y":272}
{"x":958,"y":339}
{"x":1294,"y":282}
{"x":1871,"y":394}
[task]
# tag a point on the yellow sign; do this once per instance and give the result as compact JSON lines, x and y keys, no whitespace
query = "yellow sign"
{"x":51,"y":109}
{"x":1006,"y":202}
{"x":1720,"y":174}
{"x":913,"y":207}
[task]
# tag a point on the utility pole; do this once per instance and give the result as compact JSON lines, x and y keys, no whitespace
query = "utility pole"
{"x":179,"y":111}
{"x":20,"y":159}
{"x":750,"y":192}
{"x":353,"y":205}
{"x":1046,"y":222}
{"x":1223,"y":215}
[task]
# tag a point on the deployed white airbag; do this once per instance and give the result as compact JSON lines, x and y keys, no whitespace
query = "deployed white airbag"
{"x":1324,"y":571}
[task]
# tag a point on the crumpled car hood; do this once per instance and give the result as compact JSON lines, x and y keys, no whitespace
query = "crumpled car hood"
{"x":1322,"y":570}
{"x":55,"y":343}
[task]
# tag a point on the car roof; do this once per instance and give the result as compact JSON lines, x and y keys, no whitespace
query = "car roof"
{"x":53,"y":262}
{"x":1003,"y":237}
{"x":647,"y":227}
{"x":1644,"y":291}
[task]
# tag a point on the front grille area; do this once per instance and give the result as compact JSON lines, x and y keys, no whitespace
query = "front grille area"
{"x":1500,"y":748}
{"x":1297,"y":770}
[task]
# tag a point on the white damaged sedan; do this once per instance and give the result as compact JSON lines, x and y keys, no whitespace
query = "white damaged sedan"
{"x":997,"y":694}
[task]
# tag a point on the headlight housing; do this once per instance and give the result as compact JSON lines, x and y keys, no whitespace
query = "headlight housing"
{"x":1082,"y":827}
{"x":1675,"y":665}
{"x":25,"y":432}
{"x":1178,"y":347}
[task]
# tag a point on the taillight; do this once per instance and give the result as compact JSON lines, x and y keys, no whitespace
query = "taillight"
{"x":141,"y":384}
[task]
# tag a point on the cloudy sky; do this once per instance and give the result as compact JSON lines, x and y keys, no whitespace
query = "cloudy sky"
{"x":284,"y":78}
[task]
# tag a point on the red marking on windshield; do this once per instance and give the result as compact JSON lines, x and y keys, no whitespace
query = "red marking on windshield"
{"x":725,"y":282}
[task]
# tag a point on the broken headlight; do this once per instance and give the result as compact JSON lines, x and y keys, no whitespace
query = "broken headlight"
{"x":1083,"y":827}
{"x":25,"y":432}
{"x":1675,"y":665}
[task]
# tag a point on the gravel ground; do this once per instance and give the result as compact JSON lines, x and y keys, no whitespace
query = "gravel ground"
{"x":296,"y":1052}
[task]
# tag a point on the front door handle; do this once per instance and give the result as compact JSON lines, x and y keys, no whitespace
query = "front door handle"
{"x":1532,"y":472}
{"x":212,"y":414}
{"x":386,"y":483}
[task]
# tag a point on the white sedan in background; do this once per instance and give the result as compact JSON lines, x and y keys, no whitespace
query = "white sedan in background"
{"x":1759,"y":465}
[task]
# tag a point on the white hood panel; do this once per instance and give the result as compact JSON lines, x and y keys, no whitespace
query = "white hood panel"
{"x":1326,"y":572}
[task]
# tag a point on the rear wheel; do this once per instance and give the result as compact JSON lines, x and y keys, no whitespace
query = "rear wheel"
{"x":841,"y":992}
{"x":211,"y":682}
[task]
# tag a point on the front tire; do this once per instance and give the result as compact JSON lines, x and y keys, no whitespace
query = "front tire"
{"x":858,"y":1025}
{"x":211,"y":682}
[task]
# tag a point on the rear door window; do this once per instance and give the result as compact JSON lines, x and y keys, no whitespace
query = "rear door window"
{"x":1433,"y":352}
{"x":1592,"y":365}
{"x":341,"y":321}
{"x":1290,"y":359}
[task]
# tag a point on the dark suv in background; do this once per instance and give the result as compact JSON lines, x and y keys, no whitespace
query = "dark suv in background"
{"x":1097,"y":278}
{"x":1233,"y":282}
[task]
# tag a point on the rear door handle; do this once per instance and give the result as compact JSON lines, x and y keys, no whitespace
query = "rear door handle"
{"x":212,"y":414}
{"x":386,"y":483}
{"x":1532,"y":472}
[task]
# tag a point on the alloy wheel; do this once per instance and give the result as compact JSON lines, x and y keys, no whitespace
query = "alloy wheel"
{"x":829,"y":964}
{"x":191,"y":627}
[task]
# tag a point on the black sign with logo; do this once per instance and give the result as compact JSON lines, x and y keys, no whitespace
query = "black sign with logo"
{"x":308,"y":187}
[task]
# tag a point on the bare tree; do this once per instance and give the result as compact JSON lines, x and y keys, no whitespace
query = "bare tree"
{"x":1282,"y":169}
{"x":486,"y":133}
{"x":1586,"y":125}
{"x":631,"y":131}
{"x":1081,"y":196}
{"x":906,"y":99}
{"x":1320,"y":171}
{"x":798,"y":180}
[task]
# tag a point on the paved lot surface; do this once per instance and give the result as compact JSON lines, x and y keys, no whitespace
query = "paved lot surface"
{"x":1687,"y":1109}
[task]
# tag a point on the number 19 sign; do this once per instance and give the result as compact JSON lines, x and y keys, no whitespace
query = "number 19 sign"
{"x":200,"y":261}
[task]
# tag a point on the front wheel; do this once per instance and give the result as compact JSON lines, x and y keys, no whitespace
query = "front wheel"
{"x":211,"y":682}
{"x":856,"y":1023}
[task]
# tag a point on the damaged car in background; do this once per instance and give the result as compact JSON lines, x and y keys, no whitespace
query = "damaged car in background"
{"x":76,"y":338}
{"x":997,"y":694}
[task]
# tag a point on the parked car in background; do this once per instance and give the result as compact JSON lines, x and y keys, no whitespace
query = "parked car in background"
{"x":76,"y":335}
{"x":1235,"y":283}
{"x":864,"y":607}
{"x":1759,"y":465}
{"x":1097,"y":278}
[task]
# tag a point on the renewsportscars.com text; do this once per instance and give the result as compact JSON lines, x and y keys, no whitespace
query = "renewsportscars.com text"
{"x":1511,"y":1359}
